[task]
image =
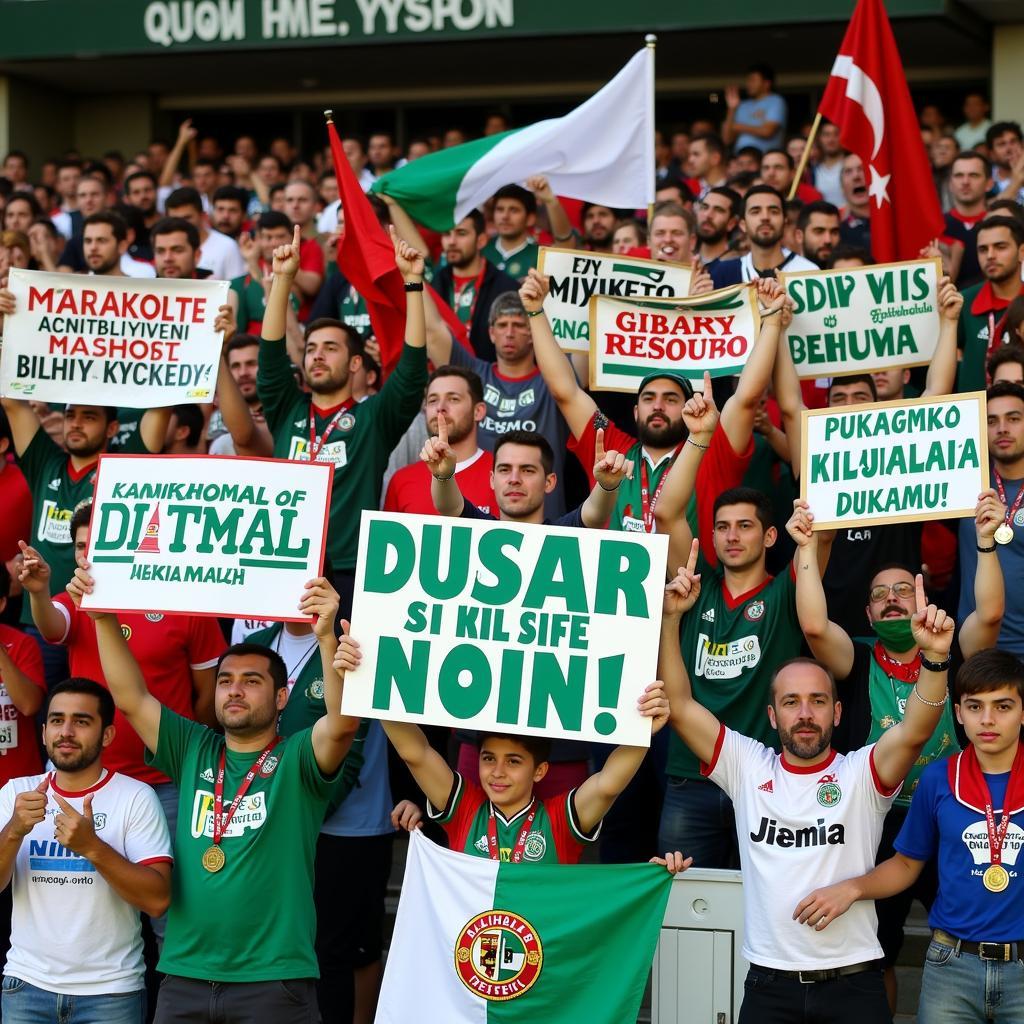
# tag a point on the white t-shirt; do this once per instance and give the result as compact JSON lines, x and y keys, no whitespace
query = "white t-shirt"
{"x":793,"y":261}
{"x":800,"y":830}
{"x":70,"y":932}
{"x":221,"y":256}
{"x":136,"y":268}
{"x":242,"y":628}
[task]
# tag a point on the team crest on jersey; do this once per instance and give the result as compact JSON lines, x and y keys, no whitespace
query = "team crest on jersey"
{"x":155,"y":616}
{"x":347,"y":422}
{"x":269,"y":766}
{"x":99,"y":820}
{"x":829,"y":794}
{"x":535,"y":846}
{"x":1018,"y":519}
{"x":498,"y":956}
{"x":754,"y":611}
{"x":316,"y":690}
{"x":526,"y":397}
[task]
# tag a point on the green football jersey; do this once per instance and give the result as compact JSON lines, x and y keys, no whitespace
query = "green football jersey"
{"x":254,"y":920}
{"x":731,"y":647}
{"x":516,"y":264}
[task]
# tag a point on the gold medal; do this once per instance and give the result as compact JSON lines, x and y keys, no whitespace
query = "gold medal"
{"x":213,"y":860}
{"x":1004,"y":533}
{"x":996,"y":878}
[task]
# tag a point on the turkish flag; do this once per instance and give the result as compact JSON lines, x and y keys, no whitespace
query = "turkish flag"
{"x":868,"y":99}
{"x":366,"y":256}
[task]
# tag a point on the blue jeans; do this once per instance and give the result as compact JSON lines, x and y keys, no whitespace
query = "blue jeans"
{"x":25,"y":1004}
{"x":697,"y":819}
{"x":961,"y":988}
{"x":167,"y":793}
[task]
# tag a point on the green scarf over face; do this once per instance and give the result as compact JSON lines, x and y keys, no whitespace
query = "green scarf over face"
{"x":895,"y":634}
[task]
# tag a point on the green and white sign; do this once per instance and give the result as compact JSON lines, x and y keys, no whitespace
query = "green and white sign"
{"x":537,"y":630}
{"x":863,"y":319}
{"x":207,"y":535}
{"x":715,"y":332}
{"x":577,"y":276}
{"x":895,"y":462}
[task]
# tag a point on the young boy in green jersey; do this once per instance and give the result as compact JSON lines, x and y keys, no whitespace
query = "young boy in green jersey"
{"x":500,"y":818}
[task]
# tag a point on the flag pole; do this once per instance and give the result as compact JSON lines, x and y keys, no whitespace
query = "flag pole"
{"x":329,"y":116}
{"x":805,"y":156}
{"x":651,"y":42}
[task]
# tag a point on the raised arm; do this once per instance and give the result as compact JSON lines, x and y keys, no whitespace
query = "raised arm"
{"x":24,"y":422}
{"x":981,"y":628}
{"x":899,"y":747}
{"x":34,"y":575}
{"x":120,"y":669}
{"x":440,"y":460}
{"x":186,"y":134}
{"x":428,"y":767}
{"x":333,"y":732}
{"x":610,"y":470}
{"x":284,"y":267}
{"x":942,"y":369}
{"x":558,"y":219}
{"x":25,"y":694}
{"x":786,"y":387}
{"x":697,"y":727}
{"x":249,"y":437}
{"x":411,"y":264}
{"x":575,"y":405}
{"x":829,"y":642}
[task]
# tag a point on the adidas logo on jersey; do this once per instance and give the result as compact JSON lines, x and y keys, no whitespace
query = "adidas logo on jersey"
{"x":709,"y":615}
{"x":301,"y":423}
{"x":771,"y":834}
{"x":54,"y":484}
{"x":206,"y":775}
{"x":766,"y":787}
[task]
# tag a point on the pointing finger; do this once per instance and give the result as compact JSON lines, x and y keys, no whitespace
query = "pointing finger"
{"x":442,"y":428}
{"x":707,"y":386}
{"x":691,"y":562}
{"x":922,"y":603}
{"x":599,"y":444}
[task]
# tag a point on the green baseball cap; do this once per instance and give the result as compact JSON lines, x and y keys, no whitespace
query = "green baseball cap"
{"x":676,"y":378}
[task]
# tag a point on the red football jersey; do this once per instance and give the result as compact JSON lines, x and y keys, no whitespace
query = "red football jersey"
{"x":409,"y":489}
{"x":19,"y":747}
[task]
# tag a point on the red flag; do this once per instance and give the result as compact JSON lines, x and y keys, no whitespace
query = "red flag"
{"x":367,"y":259}
{"x":867,"y":97}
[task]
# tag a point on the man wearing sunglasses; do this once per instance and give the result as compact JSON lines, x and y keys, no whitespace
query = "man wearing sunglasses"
{"x":876,"y":676}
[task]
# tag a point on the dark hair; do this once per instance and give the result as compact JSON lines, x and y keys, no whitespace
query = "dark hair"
{"x":353,"y":338}
{"x":538,"y":747}
{"x":1012,"y":352}
{"x":48,"y":225}
{"x":615,"y":211}
{"x":5,"y":427}
{"x":973,"y":154}
{"x":186,"y":196}
{"x":241,"y":341}
{"x":519,"y":194}
{"x":233,"y":194}
{"x":764,"y":70}
{"x":1011,"y":224}
{"x":988,"y":670}
{"x":89,"y":687}
{"x":115,"y":222}
{"x":676,"y":181}
{"x":532,"y":439}
{"x":763,"y":190}
{"x":712,"y":142}
{"x":743,"y":180}
{"x":82,"y":516}
{"x":849,"y":252}
{"x":190,"y":415}
{"x":135,"y":176}
{"x":1005,"y":389}
{"x":747,"y":496}
{"x":26,"y":197}
{"x":270,"y":219}
{"x":730,"y":195}
{"x":781,"y":152}
{"x":810,"y":209}
{"x":276,"y":667}
{"x":18,"y":155}
{"x":171,"y":225}
{"x":479,"y":222}
{"x":855,"y":378}
{"x":1001,"y":128}
{"x":473,"y":381}
{"x":805,"y":661}
{"x":750,"y":151}
{"x":1011,"y":206}
{"x":205,"y":161}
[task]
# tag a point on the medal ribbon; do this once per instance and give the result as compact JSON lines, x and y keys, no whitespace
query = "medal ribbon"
{"x":1010,"y":512}
{"x":315,"y":446}
{"x":518,"y":846}
{"x":996,"y":836}
{"x":221,"y":822}
{"x":647,"y":510}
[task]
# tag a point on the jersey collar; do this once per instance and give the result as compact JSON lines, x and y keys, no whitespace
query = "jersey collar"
{"x":807,"y":769}
{"x":515,"y":817}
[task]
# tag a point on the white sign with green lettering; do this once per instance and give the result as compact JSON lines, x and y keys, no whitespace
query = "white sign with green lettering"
{"x":538,"y":630}
{"x":577,"y":275}
{"x":862,"y":319}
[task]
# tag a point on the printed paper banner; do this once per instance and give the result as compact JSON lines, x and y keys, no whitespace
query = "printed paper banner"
{"x":714,"y":332}
{"x":538,"y":630}
{"x":207,"y":535}
{"x":895,"y":462}
{"x":576,"y":276}
{"x":122,"y":341}
{"x":864,"y":318}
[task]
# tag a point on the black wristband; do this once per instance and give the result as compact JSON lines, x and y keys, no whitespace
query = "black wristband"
{"x":414,"y":286}
{"x":936,"y":666}
{"x":985,"y":551}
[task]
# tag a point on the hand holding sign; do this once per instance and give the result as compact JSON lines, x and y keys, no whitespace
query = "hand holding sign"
{"x":286,"y":257}
{"x":533,"y":290}
{"x":800,"y":526}
{"x":225,"y":323}
{"x":700,"y":414}
{"x":75,"y":831}
{"x":681,"y":593}
{"x":611,"y":468}
{"x":348,"y":655}
{"x":771,"y":295}
{"x":700,"y":279}
{"x":989,"y":516}
{"x":654,"y":704}
{"x":7,"y":301}
{"x":321,"y":600}
{"x":437,"y":453}
{"x":34,"y":574}
{"x":931,"y":626}
{"x":29,"y":809}
{"x":951,"y":300}
{"x":81,"y":584}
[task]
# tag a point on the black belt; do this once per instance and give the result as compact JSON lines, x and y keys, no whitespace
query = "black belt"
{"x":828,"y":974}
{"x":1007,"y":952}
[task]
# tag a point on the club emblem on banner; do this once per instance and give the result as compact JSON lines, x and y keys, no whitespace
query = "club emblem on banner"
{"x":498,"y":956}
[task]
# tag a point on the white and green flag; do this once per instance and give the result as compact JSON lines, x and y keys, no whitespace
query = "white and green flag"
{"x":482,"y":942}
{"x":603,"y":152}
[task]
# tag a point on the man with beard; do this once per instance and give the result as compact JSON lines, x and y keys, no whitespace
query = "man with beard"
{"x":806,"y":817}
{"x":455,"y":394}
{"x":970,"y":181}
{"x":764,"y":221}
{"x":91,"y":196}
{"x":140,"y":192}
{"x":230,"y":420}
{"x":599,"y":226}
{"x":274,"y":791}
{"x":705,"y":163}
{"x":717,"y":217}
{"x":1006,"y":144}
{"x":469,"y":283}
{"x":817,"y":231}
{"x":876,"y":678}
{"x":76,"y":950}
{"x":855,"y":228}
{"x":778,"y":169}
{"x":227,"y":214}
{"x":329,"y":425}
{"x":1000,"y":245}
